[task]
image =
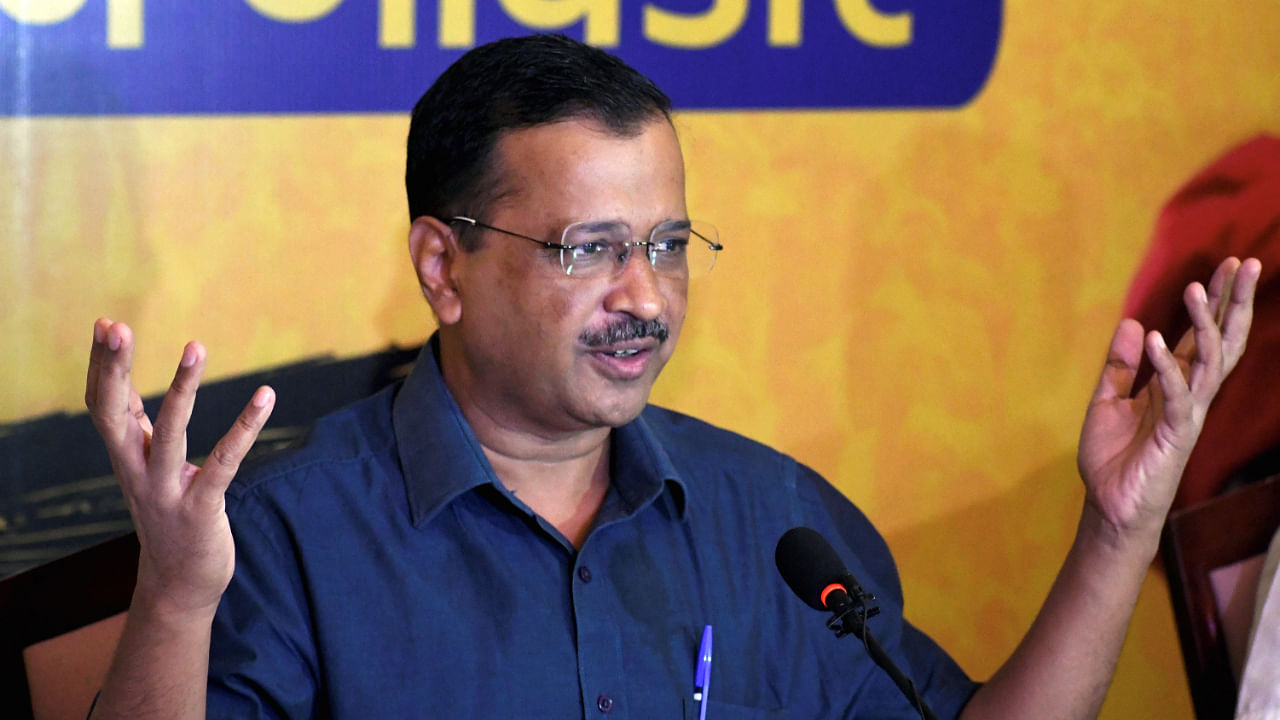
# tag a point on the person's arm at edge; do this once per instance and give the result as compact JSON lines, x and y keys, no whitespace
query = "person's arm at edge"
{"x":1131,"y":458}
{"x":1064,"y":664}
{"x":160,"y":667}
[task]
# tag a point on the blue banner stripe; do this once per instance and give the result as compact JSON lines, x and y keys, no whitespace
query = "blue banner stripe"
{"x":227,"y":56}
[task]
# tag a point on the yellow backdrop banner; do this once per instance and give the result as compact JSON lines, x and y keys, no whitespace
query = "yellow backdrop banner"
{"x":916,"y":304}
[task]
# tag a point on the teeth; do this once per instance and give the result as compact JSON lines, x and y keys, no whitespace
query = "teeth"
{"x":624,"y":353}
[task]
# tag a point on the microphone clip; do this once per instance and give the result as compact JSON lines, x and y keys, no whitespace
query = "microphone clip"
{"x":851,"y":607}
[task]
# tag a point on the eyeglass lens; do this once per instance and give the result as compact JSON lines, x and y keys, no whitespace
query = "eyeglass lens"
{"x":677,"y":249}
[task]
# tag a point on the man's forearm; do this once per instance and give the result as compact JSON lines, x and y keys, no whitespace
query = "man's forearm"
{"x":160,"y":669}
{"x":1064,"y":664}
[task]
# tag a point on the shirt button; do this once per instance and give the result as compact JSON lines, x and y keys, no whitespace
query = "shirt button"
{"x":604,"y":703}
{"x":584,"y":573}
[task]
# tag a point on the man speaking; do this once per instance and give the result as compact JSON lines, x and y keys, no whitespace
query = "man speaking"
{"x":514,"y":532}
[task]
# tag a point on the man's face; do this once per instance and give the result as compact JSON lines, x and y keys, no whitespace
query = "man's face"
{"x":534,"y":350}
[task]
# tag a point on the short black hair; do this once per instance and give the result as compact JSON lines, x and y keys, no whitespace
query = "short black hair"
{"x":509,"y":85}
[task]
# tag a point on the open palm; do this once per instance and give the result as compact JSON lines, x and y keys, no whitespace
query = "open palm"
{"x":1133,"y":446}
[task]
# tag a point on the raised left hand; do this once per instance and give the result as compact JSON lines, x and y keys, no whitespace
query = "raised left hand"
{"x":1133,"y":449}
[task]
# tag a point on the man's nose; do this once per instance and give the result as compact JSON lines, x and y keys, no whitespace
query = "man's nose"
{"x":636,"y":290}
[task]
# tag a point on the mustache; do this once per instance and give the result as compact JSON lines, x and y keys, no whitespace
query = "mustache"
{"x":631,"y":329}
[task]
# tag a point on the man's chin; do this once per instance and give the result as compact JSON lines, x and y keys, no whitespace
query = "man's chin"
{"x":622,"y":408}
{"x":616,"y":402}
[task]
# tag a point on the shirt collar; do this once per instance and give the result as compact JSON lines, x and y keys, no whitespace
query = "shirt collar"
{"x":642,"y":469}
{"x":442,"y":459}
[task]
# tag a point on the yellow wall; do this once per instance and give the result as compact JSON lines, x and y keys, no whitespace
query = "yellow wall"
{"x":914,"y":303}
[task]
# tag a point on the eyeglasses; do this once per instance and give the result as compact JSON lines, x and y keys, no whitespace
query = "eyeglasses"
{"x":676,"y":249}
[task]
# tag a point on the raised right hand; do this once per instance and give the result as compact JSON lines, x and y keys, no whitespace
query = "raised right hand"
{"x":187,"y":554}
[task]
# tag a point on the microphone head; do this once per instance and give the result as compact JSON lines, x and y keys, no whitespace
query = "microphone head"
{"x":809,"y":565}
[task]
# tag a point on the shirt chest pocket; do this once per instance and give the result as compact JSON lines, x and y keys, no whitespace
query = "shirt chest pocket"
{"x":717,"y":710}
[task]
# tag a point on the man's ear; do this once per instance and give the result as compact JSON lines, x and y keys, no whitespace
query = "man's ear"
{"x":434,"y":249}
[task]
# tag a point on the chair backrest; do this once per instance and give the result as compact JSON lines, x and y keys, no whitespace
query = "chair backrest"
{"x":1213,"y":553}
{"x":59,"y":625}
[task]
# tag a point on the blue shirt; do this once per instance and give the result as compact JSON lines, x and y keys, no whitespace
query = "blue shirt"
{"x":383,"y":571}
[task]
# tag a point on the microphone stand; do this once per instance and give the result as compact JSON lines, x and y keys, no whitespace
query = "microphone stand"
{"x":850,"y":618}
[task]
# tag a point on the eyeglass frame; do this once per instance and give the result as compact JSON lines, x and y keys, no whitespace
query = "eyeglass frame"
{"x":650,"y":254}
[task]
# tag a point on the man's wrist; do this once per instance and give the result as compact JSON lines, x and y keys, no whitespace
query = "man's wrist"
{"x":158,"y":606}
{"x":1099,"y":535}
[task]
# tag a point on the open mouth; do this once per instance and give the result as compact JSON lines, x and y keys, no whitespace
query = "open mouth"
{"x":628,"y":363}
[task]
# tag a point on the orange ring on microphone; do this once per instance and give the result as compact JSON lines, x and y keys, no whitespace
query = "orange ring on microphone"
{"x":830,"y":589}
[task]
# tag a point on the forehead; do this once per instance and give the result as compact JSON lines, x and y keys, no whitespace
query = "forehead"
{"x":580,"y":170}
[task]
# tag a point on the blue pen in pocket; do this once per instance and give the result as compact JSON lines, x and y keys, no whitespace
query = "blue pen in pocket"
{"x":702,"y":678}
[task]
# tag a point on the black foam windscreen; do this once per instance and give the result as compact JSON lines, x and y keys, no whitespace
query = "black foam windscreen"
{"x":808,"y":564}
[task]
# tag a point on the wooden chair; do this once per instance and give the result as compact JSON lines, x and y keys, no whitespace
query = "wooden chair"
{"x":59,"y":625}
{"x":1213,"y":554}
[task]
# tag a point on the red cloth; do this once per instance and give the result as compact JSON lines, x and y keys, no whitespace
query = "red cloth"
{"x":1232,"y":207}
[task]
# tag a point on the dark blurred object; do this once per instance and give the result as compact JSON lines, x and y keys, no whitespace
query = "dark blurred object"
{"x":1231,"y":208}
{"x":59,"y":625}
{"x":1213,"y":553}
{"x":57,"y":494}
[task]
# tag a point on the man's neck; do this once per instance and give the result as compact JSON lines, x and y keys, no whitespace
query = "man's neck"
{"x":562,"y":476}
{"x":566,"y":492}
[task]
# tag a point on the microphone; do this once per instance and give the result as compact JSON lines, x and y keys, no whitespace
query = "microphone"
{"x":816,"y":574}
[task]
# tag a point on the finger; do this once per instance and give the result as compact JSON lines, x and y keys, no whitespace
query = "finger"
{"x":227,"y":455}
{"x":169,"y":433}
{"x":1238,"y":314}
{"x":1220,"y":286}
{"x":139,"y":412}
{"x":1155,"y":400}
{"x":1185,"y":350}
{"x":96,"y":351}
{"x":1168,"y":374}
{"x":1206,"y":365}
{"x":1123,"y":356}
{"x":144,"y":423}
{"x":111,"y":413}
